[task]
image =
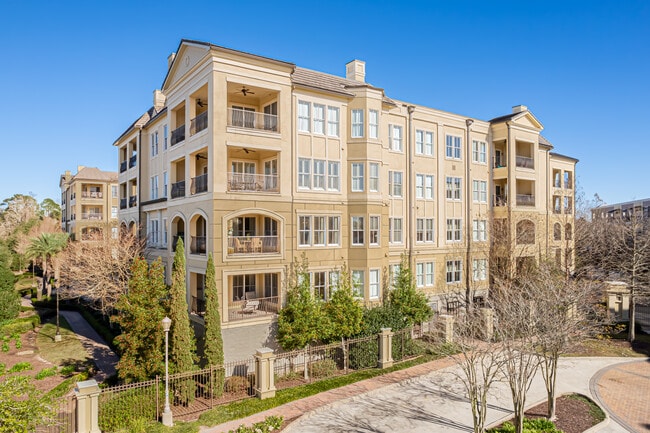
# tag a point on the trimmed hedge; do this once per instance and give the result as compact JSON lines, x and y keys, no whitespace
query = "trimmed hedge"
{"x":21,"y":325}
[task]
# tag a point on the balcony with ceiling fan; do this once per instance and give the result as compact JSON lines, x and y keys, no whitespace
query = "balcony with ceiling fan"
{"x":252,"y":109}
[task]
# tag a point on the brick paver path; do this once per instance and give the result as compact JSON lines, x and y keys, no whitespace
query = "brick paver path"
{"x":625,"y":391}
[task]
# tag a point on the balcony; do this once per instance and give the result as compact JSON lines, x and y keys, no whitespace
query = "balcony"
{"x":197,"y":245}
{"x":92,"y":216}
{"x":133,"y":160}
{"x":245,"y":245}
{"x":178,"y":189}
{"x":499,"y":161}
{"x":199,"y":184}
{"x":499,"y":200}
{"x":197,"y":306}
{"x":122,"y":203}
{"x":122,"y":166}
{"x":525,"y":200}
{"x":92,"y":194}
{"x":242,"y":118}
{"x":252,"y":307}
{"x":253,"y":182}
{"x":525,"y":162}
{"x":133,"y":200}
{"x":199,"y":123}
{"x":178,"y":135}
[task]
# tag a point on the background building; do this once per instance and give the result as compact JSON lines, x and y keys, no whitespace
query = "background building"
{"x":259,"y":161}
{"x":89,"y":201}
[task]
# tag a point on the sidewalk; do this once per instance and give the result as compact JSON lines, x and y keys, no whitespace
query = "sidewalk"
{"x":424,"y":398}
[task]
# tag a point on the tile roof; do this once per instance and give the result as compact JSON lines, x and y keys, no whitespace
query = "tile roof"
{"x":142,"y":120}
{"x":503,"y":118}
{"x":93,"y":173}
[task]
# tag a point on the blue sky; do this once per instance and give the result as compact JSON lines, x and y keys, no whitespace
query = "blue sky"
{"x":74,"y":75}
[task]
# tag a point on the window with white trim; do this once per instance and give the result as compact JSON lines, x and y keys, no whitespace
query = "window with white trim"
{"x":419,"y":274}
{"x":319,"y":119}
{"x":419,"y":186}
{"x":358,"y":230}
{"x":154,"y":187}
{"x":333,"y":176}
{"x":154,"y":144}
{"x":357,"y":124}
{"x":152,"y":237}
{"x":114,"y":191}
{"x":428,"y":187}
{"x":333,"y":121}
{"x":452,"y":149}
{"x":357,"y":177}
{"x":428,"y":143}
{"x":165,"y":232}
{"x":479,"y":230}
{"x":428,"y":273}
{"x":319,"y":174}
{"x":419,"y":142}
{"x":333,"y":230}
{"x":479,"y":191}
{"x":395,"y":183}
{"x":395,"y":137}
{"x":373,"y":283}
{"x":304,"y":173}
{"x":358,"y":283}
{"x":454,"y":271}
{"x":395,"y":230}
{"x":318,"y":282}
{"x":373,"y":230}
{"x":479,"y":269}
{"x":319,"y":230}
{"x":113,"y":212}
{"x":373,"y":177}
{"x":165,"y":136}
{"x":304,"y":118}
{"x":424,"y":274}
{"x":373,"y":124}
{"x":393,"y":272}
{"x":165,"y":183}
{"x":479,"y":151}
{"x":304,"y":230}
{"x":453,"y":188}
{"x":454,"y":233}
{"x":424,"y":230}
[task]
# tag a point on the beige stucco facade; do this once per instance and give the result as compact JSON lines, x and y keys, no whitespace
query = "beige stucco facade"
{"x":89,"y":202}
{"x":258,"y":161}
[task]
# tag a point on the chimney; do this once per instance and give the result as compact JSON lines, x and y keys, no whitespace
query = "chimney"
{"x":159,"y":99}
{"x":519,"y":109}
{"x":80,"y":167}
{"x":170,"y":60}
{"x":356,"y":70}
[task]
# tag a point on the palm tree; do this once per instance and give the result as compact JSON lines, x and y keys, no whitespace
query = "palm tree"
{"x":46,"y":246}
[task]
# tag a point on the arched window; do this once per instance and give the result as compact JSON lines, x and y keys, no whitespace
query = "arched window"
{"x":568,"y":232}
{"x":525,"y":232}
{"x":557,"y":232}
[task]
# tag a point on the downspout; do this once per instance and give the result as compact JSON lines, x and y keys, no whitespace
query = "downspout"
{"x":468,"y":217}
{"x":139,"y":197}
{"x":411,"y":192}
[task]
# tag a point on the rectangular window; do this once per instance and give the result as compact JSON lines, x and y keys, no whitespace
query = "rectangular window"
{"x":428,"y":274}
{"x":479,"y":191}
{"x":395,"y":230}
{"x":333,"y":230}
{"x":304,"y":174}
{"x":304,"y":230}
{"x":419,"y":274}
{"x":395,"y":138}
{"x":333,"y":282}
{"x":395,"y":183}
{"x":154,"y":187}
{"x":113,"y":212}
{"x":424,"y":230}
{"x":373,"y":177}
{"x":419,"y":142}
{"x":333,"y":176}
{"x":479,"y":270}
{"x":393,"y":272}
{"x":357,"y":123}
{"x":428,"y":187}
{"x":419,"y":230}
{"x":452,"y":147}
{"x":304,"y":118}
{"x":165,"y":135}
{"x":479,"y":152}
{"x":428,"y":143}
{"x":479,"y":230}
{"x":453,"y":188}
{"x":419,"y":186}
{"x":319,"y":282}
{"x":164,"y":232}
{"x":454,"y":271}
{"x":373,"y":124}
{"x":154,"y":147}
{"x":319,"y":230}
{"x":114,"y":191}
{"x":373,"y":283}
{"x":373,"y":230}
{"x":319,"y":119}
{"x":357,"y":176}
{"x":454,"y":230}
{"x":333,"y":121}
{"x":358,"y":283}
{"x":319,"y":174}
{"x":358,"y":230}
{"x":165,"y":182}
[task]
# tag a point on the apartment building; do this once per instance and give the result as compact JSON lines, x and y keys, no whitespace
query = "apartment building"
{"x":89,"y":202}
{"x":623,"y":209}
{"x":259,"y":161}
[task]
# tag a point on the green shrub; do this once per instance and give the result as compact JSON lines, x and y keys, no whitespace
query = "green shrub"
{"x":2,"y":368}
{"x":364,"y":355}
{"x":21,"y":325}
{"x":67,"y":370}
{"x":270,"y":423}
{"x":323,"y":368}
{"x":5,"y":346}
{"x":129,"y":409}
{"x":538,"y":425}
{"x":21,"y":366}
{"x":46,"y":372}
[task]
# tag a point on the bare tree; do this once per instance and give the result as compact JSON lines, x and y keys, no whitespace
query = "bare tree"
{"x":99,"y":268}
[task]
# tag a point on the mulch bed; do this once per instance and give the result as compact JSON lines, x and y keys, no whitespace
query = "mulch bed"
{"x":573,"y":414}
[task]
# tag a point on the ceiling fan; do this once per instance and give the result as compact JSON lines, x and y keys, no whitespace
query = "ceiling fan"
{"x":245,"y":91}
{"x":201,"y":103}
{"x":247,"y":150}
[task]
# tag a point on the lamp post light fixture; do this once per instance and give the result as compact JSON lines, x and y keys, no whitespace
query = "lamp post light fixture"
{"x":55,"y":286}
{"x":167,"y":418}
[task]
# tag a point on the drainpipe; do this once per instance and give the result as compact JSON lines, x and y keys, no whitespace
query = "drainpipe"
{"x":468,"y":217}
{"x":411,"y":191}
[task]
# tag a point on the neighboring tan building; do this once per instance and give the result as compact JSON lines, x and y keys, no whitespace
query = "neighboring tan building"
{"x":258,"y":161}
{"x":623,"y":210}
{"x":89,"y":201}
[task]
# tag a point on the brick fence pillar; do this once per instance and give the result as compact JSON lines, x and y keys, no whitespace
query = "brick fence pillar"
{"x":87,"y":394}
{"x":264,"y":373}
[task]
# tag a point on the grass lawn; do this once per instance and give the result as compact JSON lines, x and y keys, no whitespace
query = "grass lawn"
{"x":65,"y":352}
